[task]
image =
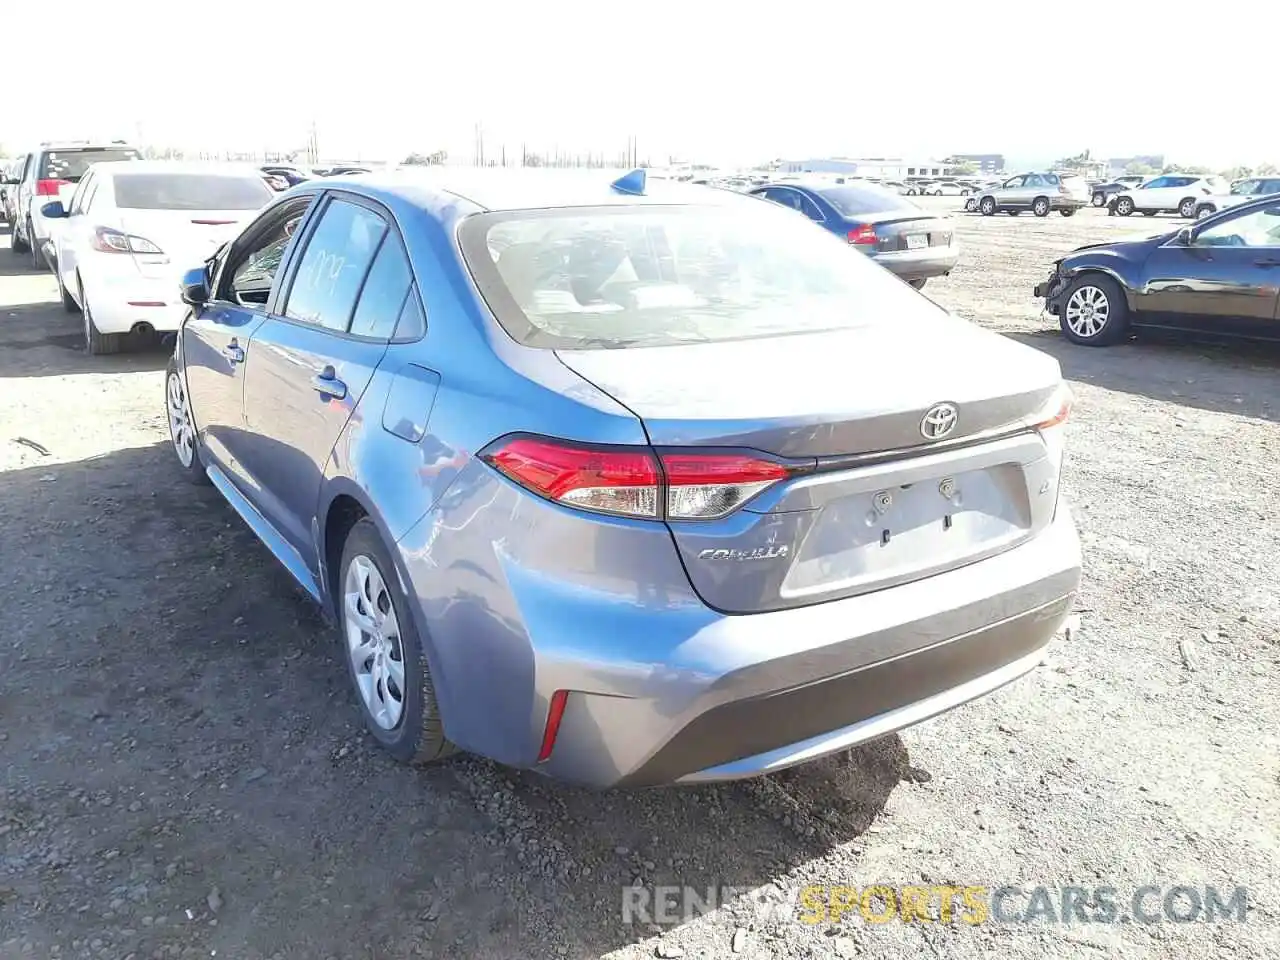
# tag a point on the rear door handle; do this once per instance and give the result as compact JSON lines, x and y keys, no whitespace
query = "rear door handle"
{"x":233,"y":352}
{"x":327,"y":384}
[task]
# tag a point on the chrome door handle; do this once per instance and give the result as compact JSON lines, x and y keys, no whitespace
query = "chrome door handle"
{"x":233,"y":352}
{"x":327,"y":384}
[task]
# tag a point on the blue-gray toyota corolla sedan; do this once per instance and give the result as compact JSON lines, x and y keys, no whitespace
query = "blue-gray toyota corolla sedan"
{"x":628,"y":483}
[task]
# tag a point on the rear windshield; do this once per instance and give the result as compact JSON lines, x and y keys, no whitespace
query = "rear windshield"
{"x":190,"y":191}
{"x":616,"y":277}
{"x":853,"y":201}
{"x":71,"y":164}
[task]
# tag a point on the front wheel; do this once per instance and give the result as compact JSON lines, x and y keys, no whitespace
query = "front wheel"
{"x":1094,"y":311}
{"x":383,"y":653}
{"x":1040,"y":207}
{"x":1205,"y":210}
{"x":182,"y":428}
{"x":1099,"y":200}
{"x":919,"y":282}
{"x":1124,"y":206}
{"x":988,"y":206}
{"x":16,"y":243}
{"x":33,"y":248}
{"x":1187,"y":208}
{"x":68,"y":302}
{"x":1067,"y":212}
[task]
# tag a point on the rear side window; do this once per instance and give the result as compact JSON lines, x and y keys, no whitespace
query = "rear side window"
{"x":71,"y":164}
{"x":853,"y":201}
{"x":384,"y":291}
{"x":187,"y":191}
{"x":412,"y":323}
{"x":334,"y":265}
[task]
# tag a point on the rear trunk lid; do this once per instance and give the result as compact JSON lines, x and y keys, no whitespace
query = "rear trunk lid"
{"x":873,"y":503}
{"x":186,"y":237}
{"x":911,"y":232}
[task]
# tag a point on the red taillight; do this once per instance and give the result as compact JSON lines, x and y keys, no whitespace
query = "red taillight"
{"x":608,"y":480}
{"x":706,"y":486}
{"x":636,"y":482}
{"x":863,"y":234}
{"x":49,"y":188}
{"x":555,"y":713}
{"x":107,"y":240}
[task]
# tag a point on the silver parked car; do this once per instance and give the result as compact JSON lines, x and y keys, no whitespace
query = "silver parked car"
{"x":1038,"y":192}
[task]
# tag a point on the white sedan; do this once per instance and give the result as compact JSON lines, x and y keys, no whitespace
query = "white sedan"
{"x":130,"y":231}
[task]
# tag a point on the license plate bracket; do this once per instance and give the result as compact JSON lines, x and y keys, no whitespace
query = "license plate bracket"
{"x":917,"y":241}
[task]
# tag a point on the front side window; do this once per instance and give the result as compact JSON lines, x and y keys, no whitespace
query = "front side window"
{"x":255,"y":272}
{"x":334,"y":264}
{"x":1014,"y":182}
{"x":645,"y":276}
{"x":1259,"y":228}
{"x":1156,"y":183}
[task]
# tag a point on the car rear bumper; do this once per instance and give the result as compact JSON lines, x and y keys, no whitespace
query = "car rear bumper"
{"x":661,"y":689}
{"x":918,"y":264}
{"x":122,"y":302}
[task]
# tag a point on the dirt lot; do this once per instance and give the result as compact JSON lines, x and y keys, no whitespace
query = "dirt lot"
{"x":184,"y":776}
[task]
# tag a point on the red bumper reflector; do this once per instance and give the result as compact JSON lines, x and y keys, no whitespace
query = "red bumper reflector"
{"x":554,"y":714}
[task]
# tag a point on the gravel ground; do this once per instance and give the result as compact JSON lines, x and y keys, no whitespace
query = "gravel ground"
{"x":184,"y":775}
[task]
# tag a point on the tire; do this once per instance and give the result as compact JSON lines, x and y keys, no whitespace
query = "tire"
{"x":1067,"y":212}
{"x":1149,"y":213}
{"x":415,"y":733}
{"x":1205,"y":210}
{"x":919,"y":282}
{"x":970,"y":205}
{"x":33,"y":248}
{"x":987,"y":206}
{"x":186,"y":445}
{"x":1014,"y":213}
{"x":98,"y":344}
{"x":68,"y":302}
{"x":1187,"y":208}
{"x":1040,"y":206}
{"x":16,"y":244}
{"x":1084,"y":328}
{"x":1124,"y":206}
{"x":1099,"y":200}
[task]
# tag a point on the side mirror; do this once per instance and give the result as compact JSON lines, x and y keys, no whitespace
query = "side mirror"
{"x":54,"y":210}
{"x":1184,"y":237}
{"x":195,"y":287}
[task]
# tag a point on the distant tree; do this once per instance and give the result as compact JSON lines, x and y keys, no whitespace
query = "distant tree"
{"x":1184,"y":168}
{"x":426,"y":159}
{"x":1267,"y":170}
{"x":1237,"y":173}
{"x":964,"y":168}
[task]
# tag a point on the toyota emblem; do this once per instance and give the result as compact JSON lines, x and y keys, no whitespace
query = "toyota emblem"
{"x":939,"y":421}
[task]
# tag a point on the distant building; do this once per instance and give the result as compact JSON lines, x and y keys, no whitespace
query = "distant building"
{"x":985,"y":162}
{"x":1116,"y":166}
{"x":883,"y":168}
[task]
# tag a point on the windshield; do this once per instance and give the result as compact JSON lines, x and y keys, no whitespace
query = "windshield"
{"x":855,"y":201}
{"x":71,"y":164}
{"x":645,"y":276}
{"x":190,"y":191}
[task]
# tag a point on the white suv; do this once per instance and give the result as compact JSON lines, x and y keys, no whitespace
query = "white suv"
{"x":1178,"y":193}
{"x":1242,"y":191}
{"x":51,"y":173}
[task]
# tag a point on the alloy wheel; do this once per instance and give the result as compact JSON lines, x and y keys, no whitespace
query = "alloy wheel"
{"x":373,"y":642}
{"x":1088,"y":310}
{"x":181,"y":431}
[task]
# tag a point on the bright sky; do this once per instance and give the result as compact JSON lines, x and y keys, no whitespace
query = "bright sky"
{"x":722,"y":82}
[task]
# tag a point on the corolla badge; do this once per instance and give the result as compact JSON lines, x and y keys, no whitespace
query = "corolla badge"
{"x":772,"y":552}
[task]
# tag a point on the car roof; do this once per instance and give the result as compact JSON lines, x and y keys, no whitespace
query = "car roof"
{"x":501,"y":189}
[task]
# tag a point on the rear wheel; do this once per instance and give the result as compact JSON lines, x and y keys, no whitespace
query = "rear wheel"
{"x":383,"y":654}
{"x":98,"y":344}
{"x":1094,"y":311}
{"x":1099,"y":200}
{"x":1204,"y":210}
{"x":1187,"y":208}
{"x":1040,"y":206}
{"x":1124,"y":206}
{"x":987,"y":206}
